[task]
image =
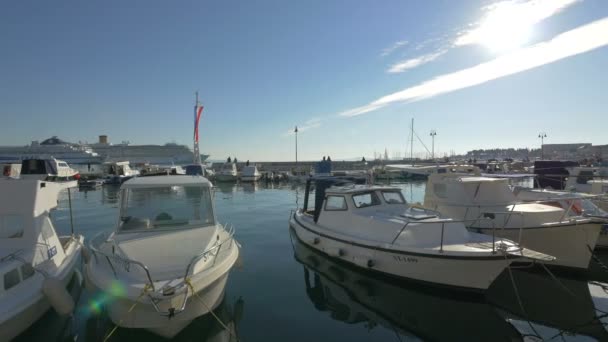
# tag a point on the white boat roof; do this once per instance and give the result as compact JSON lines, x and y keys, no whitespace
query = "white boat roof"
{"x":480,"y":179}
{"x":165,"y":180}
{"x":350,"y":189}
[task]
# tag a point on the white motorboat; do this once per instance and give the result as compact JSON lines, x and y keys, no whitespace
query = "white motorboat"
{"x":250,"y":173}
{"x":36,"y":264}
{"x":358,"y":297}
{"x":168,"y":253}
{"x":373,"y":227}
{"x":118,"y":172}
{"x":49,"y":169}
{"x":488,"y":206}
{"x":228,"y":173}
{"x":574,"y":203}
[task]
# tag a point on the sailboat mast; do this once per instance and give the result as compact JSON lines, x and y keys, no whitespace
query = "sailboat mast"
{"x":412,"y":143}
{"x":196,"y":151}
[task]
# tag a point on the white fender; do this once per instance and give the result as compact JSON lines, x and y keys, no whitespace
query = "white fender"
{"x":58,"y":296}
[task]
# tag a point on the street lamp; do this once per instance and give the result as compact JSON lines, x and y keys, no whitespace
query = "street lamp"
{"x":296,"y":132}
{"x":542,"y":136}
{"x":433,"y":134}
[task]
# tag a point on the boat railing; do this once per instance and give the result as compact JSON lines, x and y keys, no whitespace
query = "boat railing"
{"x":114,"y":260}
{"x":209,"y":252}
{"x":466,"y":223}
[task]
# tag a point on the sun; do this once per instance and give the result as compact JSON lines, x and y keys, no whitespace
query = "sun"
{"x":504,"y":28}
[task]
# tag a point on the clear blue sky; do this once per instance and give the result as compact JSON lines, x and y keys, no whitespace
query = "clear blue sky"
{"x":129,"y":69}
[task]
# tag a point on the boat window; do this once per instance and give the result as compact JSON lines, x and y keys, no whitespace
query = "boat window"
{"x":11,"y":278}
{"x":335,"y":203}
{"x":170,"y":207}
{"x":393,"y":197}
{"x":63,"y":164}
{"x":27,"y":271}
{"x":365,"y":200}
{"x":11,"y":226}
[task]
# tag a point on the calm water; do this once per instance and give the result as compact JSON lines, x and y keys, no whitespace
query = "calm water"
{"x":284,"y":291}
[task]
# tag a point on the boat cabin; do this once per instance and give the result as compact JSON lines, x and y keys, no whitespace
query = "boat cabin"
{"x":343,"y":194}
{"x":49,"y":169}
{"x":27,"y":234}
{"x":121,"y":169}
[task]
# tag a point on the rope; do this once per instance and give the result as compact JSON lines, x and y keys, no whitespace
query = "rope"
{"x":596,"y":259}
{"x":521,"y":305}
{"x":143,"y":292}
{"x":210,"y":310}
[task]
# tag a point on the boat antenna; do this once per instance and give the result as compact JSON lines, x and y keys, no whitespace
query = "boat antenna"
{"x":198,"y":110}
{"x":412,"y":143}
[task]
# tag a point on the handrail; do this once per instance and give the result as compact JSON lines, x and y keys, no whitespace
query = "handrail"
{"x":124,"y":262}
{"x":208,"y":251}
{"x":443,"y":221}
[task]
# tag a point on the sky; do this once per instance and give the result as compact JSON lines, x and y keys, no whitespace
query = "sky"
{"x":351,"y":74}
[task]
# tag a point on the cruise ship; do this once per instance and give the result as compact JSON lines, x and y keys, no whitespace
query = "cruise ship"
{"x":51,"y":147}
{"x":168,"y":154}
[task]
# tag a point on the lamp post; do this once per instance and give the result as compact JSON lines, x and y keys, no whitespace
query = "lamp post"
{"x":542,"y":136}
{"x":433,"y":134}
{"x":296,"y":132}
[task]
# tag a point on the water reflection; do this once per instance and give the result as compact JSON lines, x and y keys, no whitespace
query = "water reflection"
{"x":550,"y":308}
{"x":354,"y":296}
{"x":110,"y":194}
{"x":250,"y":187}
{"x":225,"y":188}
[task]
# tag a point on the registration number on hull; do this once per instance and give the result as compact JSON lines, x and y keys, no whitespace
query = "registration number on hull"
{"x":405,"y":258}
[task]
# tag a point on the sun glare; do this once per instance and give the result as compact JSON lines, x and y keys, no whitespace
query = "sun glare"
{"x":504,"y":28}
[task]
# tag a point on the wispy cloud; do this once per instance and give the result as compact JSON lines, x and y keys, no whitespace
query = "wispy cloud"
{"x":415,"y":62}
{"x":310,"y":124}
{"x":512,"y":15}
{"x":504,"y":25}
{"x":579,"y":40}
{"x":387,"y":51}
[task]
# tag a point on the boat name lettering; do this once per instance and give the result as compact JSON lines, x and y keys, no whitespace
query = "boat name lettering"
{"x":405,"y":258}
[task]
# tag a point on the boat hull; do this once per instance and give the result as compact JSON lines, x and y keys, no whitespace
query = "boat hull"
{"x":570,"y":244}
{"x":469,"y":273}
{"x":144,"y":316}
{"x":136,"y":310}
{"x":22,"y":318}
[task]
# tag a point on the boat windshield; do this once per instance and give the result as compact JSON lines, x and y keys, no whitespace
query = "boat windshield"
{"x":166,"y":208}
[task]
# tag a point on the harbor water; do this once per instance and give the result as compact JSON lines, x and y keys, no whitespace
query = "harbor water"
{"x":283,"y":291}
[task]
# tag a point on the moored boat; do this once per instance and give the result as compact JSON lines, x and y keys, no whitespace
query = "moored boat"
{"x":489,"y":206}
{"x":168,"y":252}
{"x":373,"y":227}
{"x":36,"y":264}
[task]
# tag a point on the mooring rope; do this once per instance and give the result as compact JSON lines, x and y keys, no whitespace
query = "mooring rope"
{"x":143,"y":293}
{"x":596,"y":259}
{"x":210,"y":310}
{"x":521,"y":305}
